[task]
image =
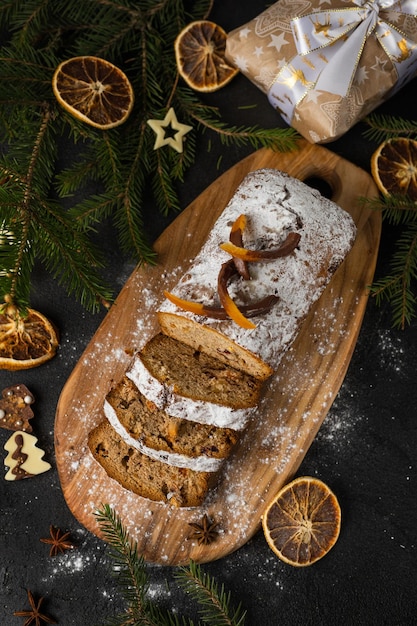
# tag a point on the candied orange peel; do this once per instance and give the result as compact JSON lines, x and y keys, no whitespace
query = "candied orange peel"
{"x":237,"y":265}
{"x":246,"y":254}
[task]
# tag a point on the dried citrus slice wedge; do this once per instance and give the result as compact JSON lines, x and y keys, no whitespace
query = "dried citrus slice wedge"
{"x":94,"y":91}
{"x":394,"y":167}
{"x":200,"y":55}
{"x":27,"y":341}
{"x":302,"y":523}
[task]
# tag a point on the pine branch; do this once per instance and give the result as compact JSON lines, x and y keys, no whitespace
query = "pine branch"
{"x":399,"y":287}
{"x":138,"y":36}
{"x":132,"y":577}
{"x":42,"y":230}
{"x":396,"y":209}
{"x":214,"y":601}
{"x":130,"y":566}
{"x":208,"y":118}
{"x":382,"y":127}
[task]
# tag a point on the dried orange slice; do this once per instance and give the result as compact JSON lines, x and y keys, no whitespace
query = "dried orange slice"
{"x":200,"y":55}
{"x":25,"y":341}
{"x":302,"y":523}
{"x":394,"y":167}
{"x":94,"y":91}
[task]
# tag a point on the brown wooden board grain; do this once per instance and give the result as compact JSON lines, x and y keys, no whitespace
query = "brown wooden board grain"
{"x":297,"y":397}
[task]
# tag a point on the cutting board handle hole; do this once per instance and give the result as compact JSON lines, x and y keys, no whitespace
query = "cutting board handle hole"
{"x":321,"y":185}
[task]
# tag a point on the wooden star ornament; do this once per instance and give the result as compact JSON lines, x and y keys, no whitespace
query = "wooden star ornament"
{"x":170,"y":122}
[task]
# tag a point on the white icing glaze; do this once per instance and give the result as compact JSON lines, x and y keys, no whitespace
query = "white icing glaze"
{"x":274,"y":204}
{"x":198,"y":464}
{"x":185,"y":408}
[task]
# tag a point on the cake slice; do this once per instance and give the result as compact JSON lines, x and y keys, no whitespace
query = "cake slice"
{"x":138,"y":418}
{"x":192,"y":373}
{"x":147,"y":477}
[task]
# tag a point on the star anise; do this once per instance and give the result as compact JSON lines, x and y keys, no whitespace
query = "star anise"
{"x":34,"y":616}
{"x":205,"y":532}
{"x":58,"y":541}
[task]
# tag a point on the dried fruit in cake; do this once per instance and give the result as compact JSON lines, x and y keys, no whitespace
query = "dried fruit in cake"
{"x":26,"y":340}
{"x":94,"y":91}
{"x":200,"y":55}
{"x":302,"y":523}
{"x":394,"y":167}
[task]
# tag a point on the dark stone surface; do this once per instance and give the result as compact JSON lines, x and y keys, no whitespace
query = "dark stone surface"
{"x":365,"y":451}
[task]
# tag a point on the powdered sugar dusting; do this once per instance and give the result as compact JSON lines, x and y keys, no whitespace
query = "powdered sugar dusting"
{"x":274,"y":204}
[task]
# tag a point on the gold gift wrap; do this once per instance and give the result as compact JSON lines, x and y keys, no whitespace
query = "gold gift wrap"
{"x":325,"y":65}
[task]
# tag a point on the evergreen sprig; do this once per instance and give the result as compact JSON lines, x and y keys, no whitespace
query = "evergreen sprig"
{"x":382,"y":127}
{"x":399,"y":286}
{"x":213,"y":600}
{"x":130,"y":570}
{"x":120,"y":164}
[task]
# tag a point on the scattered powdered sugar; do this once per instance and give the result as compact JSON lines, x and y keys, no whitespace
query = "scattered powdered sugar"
{"x":391,"y":349}
{"x":341,"y":423}
{"x":76,"y":560}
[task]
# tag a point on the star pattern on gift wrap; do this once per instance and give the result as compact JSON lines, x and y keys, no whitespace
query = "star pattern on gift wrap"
{"x":162,"y":127}
{"x":244,"y":32}
{"x":277,"y":41}
{"x":353,"y":104}
{"x":380,"y":64}
{"x":361,"y":75}
{"x":241,"y":63}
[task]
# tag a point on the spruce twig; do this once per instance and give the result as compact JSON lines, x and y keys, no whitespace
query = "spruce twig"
{"x":398,"y":287}
{"x":132,"y":578}
{"x":213,"y":600}
{"x":131,"y":573}
{"x":382,"y":127}
{"x":138,"y":36}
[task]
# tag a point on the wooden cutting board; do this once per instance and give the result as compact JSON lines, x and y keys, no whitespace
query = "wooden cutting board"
{"x":297,"y":399}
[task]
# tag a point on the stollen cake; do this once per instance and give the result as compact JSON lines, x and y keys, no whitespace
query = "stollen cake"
{"x":178,"y":412}
{"x":275,"y":204}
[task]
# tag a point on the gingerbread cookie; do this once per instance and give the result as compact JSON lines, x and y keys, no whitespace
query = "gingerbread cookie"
{"x":25,"y":458}
{"x":15,"y":411}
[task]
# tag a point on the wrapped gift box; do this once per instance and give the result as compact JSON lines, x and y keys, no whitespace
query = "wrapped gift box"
{"x":325,"y":65}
